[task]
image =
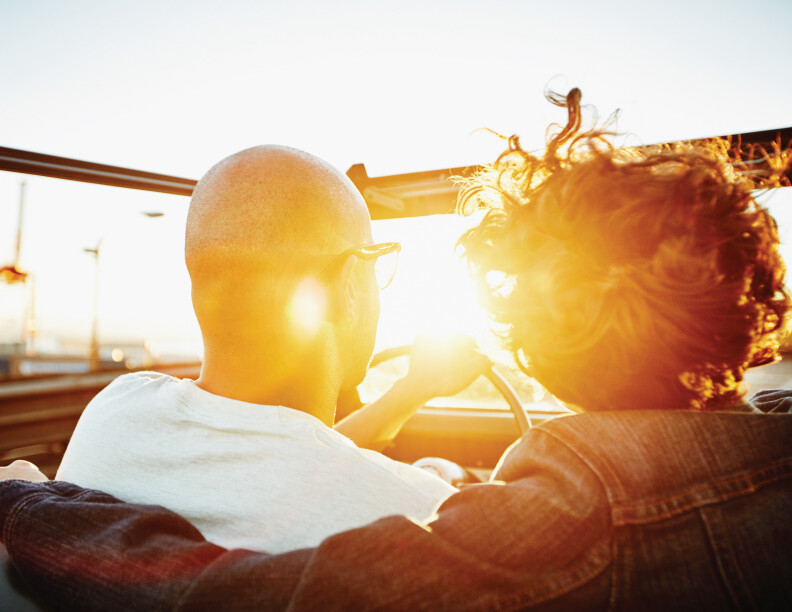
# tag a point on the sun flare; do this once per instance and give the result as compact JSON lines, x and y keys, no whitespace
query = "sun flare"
{"x":307,"y":307}
{"x":432,"y":291}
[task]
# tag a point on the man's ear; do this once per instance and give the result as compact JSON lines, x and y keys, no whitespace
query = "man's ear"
{"x":341,"y":298}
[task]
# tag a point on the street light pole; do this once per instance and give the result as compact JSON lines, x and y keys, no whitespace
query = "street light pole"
{"x":94,"y":355}
{"x":94,"y":358}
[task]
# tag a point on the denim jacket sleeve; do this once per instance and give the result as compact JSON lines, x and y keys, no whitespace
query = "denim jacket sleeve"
{"x":543,"y":537}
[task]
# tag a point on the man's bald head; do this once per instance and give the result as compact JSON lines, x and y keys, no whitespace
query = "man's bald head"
{"x":260,"y":221}
{"x":272,"y":206}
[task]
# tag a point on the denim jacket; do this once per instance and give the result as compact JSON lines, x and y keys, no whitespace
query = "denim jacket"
{"x":663,"y":510}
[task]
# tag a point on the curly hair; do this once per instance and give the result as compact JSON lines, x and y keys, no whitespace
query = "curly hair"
{"x":628,"y":278}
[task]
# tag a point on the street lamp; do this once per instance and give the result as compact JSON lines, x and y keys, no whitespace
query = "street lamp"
{"x":94,"y":355}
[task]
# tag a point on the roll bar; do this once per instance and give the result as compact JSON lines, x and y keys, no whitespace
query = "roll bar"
{"x":413,"y":194}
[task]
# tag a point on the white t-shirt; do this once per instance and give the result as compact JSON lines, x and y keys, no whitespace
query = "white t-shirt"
{"x":265,"y":478}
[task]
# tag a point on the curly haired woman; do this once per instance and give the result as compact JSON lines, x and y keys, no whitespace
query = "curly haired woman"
{"x":632,"y":278}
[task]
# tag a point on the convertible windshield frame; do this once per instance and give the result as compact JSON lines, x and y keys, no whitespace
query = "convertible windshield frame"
{"x":413,"y":194}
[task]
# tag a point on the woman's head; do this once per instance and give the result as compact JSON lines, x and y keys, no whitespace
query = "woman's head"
{"x":627,"y":278}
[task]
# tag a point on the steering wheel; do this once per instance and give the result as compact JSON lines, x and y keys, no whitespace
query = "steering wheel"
{"x":498,"y":381}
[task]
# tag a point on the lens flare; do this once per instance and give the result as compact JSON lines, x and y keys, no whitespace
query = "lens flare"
{"x":308,"y":307}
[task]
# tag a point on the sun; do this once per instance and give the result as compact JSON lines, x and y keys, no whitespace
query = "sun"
{"x":431,"y":291}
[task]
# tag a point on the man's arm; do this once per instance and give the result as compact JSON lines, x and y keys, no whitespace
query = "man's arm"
{"x":85,"y":550}
{"x":492,"y":546}
{"x":437,"y":368}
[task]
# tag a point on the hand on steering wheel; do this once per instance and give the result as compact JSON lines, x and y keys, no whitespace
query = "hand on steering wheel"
{"x":498,"y":381}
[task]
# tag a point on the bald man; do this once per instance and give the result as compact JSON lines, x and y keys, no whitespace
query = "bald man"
{"x":288,"y":313}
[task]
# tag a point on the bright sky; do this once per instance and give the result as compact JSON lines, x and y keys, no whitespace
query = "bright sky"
{"x":174,"y":86}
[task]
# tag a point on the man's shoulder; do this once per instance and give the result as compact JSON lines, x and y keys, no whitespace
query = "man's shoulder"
{"x":142,"y":378}
{"x":133,"y":382}
{"x":129,"y":393}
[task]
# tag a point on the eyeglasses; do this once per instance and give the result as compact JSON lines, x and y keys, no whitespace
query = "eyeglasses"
{"x":384,"y":254}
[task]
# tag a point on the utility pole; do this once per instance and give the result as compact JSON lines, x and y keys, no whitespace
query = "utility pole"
{"x":95,"y":252}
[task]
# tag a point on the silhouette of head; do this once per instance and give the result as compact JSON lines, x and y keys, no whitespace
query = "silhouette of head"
{"x":262,"y":225}
{"x":628,"y":277}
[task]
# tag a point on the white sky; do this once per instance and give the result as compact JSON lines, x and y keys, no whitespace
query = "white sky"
{"x":173,"y":87}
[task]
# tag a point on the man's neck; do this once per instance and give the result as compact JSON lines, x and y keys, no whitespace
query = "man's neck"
{"x":307,"y":384}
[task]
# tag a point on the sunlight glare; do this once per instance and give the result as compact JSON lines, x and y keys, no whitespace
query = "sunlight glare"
{"x":308,"y":307}
{"x":500,"y":282}
{"x":431,"y":291}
